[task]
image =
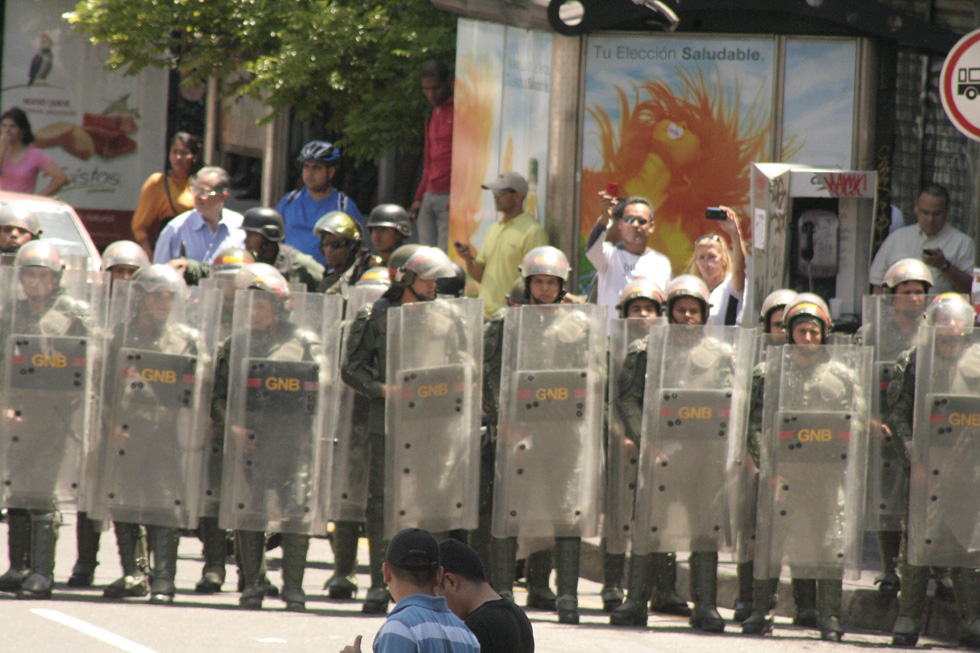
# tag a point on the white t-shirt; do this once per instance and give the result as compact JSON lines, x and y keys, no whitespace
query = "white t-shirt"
{"x":615,"y":267}
{"x":720,"y":298}
{"x":908,"y":242}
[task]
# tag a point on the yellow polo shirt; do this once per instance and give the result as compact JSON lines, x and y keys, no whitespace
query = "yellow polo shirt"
{"x":504,"y":247}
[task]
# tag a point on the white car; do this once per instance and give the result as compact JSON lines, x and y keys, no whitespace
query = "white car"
{"x":62,"y":227}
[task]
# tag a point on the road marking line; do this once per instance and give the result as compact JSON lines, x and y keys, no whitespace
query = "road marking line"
{"x":100,"y":634}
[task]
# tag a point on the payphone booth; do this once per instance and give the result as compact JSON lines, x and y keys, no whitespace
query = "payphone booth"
{"x":812,"y":232}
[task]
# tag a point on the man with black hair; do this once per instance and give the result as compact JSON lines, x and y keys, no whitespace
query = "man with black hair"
{"x":421,"y":621}
{"x":499,"y":624}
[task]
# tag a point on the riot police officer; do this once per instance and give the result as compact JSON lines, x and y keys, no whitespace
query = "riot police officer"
{"x":390,"y":228}
{"x":802,"y":520}
{"x":38,"y":443}
{"x":343,"y":250}
{"x":691,"y":360}
{"x":18,"y":226}
{"x":268,"y":396}
{"x":804,"y":589}
{"x":121,"y":259}
{"x":528,"y":501}
{"x":639,"y":305}
{"x":350,"y":472}
{"x":265,"y":233}
{"x":364,"y":370}
{"x":144,"y":478}
{"x":940,"y":453}
{"x":891,"y":322}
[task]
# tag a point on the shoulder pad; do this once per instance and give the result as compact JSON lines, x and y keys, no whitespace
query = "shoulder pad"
{"x":831,"y":382}
{"x":638,"y":345}
{"x":710,"y":352}
{"x":970,"y":362}
{"x":364,"y":312}
{"x":499,"y":315}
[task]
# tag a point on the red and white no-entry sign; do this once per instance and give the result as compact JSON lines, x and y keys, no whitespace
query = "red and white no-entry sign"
{"x":959,"y":85}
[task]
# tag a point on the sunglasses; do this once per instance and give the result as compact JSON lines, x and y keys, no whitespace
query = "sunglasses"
{"x":708,"y":237}
{"x":642,"y":222}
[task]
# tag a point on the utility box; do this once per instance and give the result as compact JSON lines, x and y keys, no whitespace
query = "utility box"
{"x":812,"y":232}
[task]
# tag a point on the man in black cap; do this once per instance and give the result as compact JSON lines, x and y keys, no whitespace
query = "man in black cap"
{"x":498,"y":623}
{"x":421,"y":621}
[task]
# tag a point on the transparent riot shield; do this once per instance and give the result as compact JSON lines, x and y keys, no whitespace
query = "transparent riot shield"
{"x":281,"y":372}
{"x":890,"y":326}
{"x":349,"y":476}
{"x":944,"y":501}
{"x":747,"y":471}
{"x":51,"y":343}
{"x":548,"y":476}
{"x":432,"y":419}
{"x":158,"y":376}
{"x":626,"y":337}
{"x":211,"y":305}
{"x":693,"y":422}
{"x":813,"y":461}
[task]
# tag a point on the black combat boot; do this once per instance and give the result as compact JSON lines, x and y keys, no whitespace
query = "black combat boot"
{"x":132,"y":557}
{"x":567,"y":553}
{"x":704,"y":577}
{"x":344,"y":541}
{"x":665,"y":599}
{"x":911,"y":600}
{"x":294,"y":550}
{"x":763,"y":600}
{"x":250,"y":547}
{"x":743,"y":602}
{"x":215,"y":550}
{"x":503,"y":555}
{"x":19,"y":550}
{"x":539,"y":594}
{"x":966,"y":585}
{"x":613,"y":565}
{"x":805,"y":597}
{"x":889,"y":543}
{"x":633,"y":611}
{"x":165,"y":542}
{"x":87,"y":542}
{"x":376,"y":601}
{"x":44,"y":540}
{"x":829,"y":594}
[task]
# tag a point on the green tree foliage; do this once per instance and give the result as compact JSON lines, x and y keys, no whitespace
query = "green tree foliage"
{"x":359,"y":58}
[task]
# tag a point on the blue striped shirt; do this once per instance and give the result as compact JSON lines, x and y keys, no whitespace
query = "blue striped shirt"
{"x":423,"y":624}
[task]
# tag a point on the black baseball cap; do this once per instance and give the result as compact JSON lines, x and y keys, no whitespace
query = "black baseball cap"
{"x":415,"y":545}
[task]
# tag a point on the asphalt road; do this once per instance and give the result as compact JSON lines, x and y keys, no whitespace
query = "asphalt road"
{"x":82,"y":621}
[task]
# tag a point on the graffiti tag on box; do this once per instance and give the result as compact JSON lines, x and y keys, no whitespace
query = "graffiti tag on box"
{"x":845,"y":184}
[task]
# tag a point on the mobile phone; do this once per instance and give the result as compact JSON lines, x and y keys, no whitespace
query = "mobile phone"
{"x":715,"y":213}
{"x":612,"y":188}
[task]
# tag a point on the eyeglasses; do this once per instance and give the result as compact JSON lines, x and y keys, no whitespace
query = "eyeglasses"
{"x":707,"y":237}
{"x":641,"y":222}
{"x":205,"y":193}
{"x":503,"y":191}
{"x":334,"y":244}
